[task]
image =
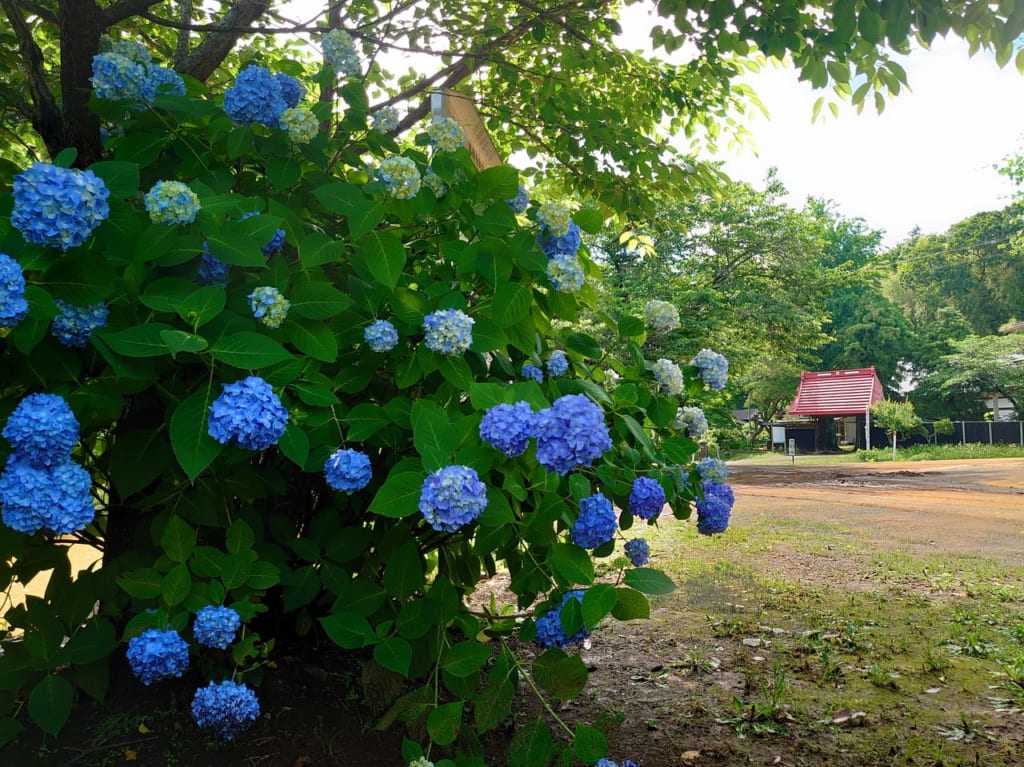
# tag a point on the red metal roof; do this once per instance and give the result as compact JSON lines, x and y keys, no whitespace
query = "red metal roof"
{"x":837,"y":392}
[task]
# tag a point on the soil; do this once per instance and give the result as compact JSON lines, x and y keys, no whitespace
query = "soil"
{"x":808,"y":547}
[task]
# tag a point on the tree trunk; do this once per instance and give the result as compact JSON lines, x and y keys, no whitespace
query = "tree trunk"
{"x":81,"y":23}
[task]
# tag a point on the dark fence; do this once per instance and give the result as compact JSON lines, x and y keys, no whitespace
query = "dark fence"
{"x":808,"y":436}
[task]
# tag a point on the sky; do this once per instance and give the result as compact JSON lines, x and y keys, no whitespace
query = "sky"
{"x":926,"y":161}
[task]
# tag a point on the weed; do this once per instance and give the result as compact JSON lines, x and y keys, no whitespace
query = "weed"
{"x":767,"y":715}
{"x":831,"y":669}
{"x":935,"y":660}
{"x":965,"y":732}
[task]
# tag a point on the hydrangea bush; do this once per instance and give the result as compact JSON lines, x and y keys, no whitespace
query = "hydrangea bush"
{"x":216,"y":399}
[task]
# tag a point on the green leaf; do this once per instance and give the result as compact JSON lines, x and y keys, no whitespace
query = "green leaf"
{"x":500,"y":182}
{"x":348,"y":630}
{"x":631,"y":327}
{"x":194,"y":448}
{"x":649,"y":581}
{"x":589,"y":220}
{"x":364,"y":421}
{"x":364,"y":217}
{"x":49,"y":703}
{"x":176,"y":586}
{"x":282,"y":172}
{"x":235,"y":570}
{"x":248,"y":351}
{"x":9,"y":730}
{"x":202,"y":305}
{"x":456,"y":372}
{"x":444,"y":721}
{"x":121,"y":178}
{"x":294,"y":443}
{"x":264,"y":575}
{"x":630,"y":605}
{"x":583,"y":344}
{"x":512,"y":303}
{"x":493,"y":706}
{"x":317,"y":249}
{"x":315,"y":339}
{"x":178,"y":341}
{"x":572,"y":563}
{"x":81,"y":279}
{"x":301,"y":588}
{"x":599,"y":600}
{"x":589,"y":743}
{"x":145,"y":583}
{"x":561,"y":676}
{"x":239,"y":537}
{"x":318,"y":301}
{"x":94,"y":641}
{"x":433,"y":436}
{"x":394,"y":654}
{"x":678,"y":450}
{"x":235,"y":248}
{"x":339,"y":197}
{"x":465,"y":658}
{"x":178,"y":539}
{"x":404,"y":573}
{"x":531,"y":746}
{"x":140,"y":340}
{"x":400,"y":495}
{"x":385,"y":257}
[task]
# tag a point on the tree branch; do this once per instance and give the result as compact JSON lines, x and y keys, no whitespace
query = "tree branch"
{"x":124,"y":9}
{"x":38,"y":10}
{"x":181,"y":50}
{"x":208,"y":55}
{"x":46,"y":115}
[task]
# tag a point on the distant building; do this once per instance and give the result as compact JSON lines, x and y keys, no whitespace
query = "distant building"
{"x":838,"y":402}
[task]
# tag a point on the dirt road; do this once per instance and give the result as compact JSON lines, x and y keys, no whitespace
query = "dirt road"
{"x":972,"y":507}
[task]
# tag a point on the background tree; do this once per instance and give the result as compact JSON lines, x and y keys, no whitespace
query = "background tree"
{"x":984,"y":366}
{"x":895,"y":418}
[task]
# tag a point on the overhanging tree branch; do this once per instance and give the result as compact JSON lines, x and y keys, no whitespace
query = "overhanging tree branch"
{"x":208,"y":55}
{"x":124,"y":9}
{"x":45,"y":114}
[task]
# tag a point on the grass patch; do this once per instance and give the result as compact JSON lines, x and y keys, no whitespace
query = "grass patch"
{"x":941,"y":453}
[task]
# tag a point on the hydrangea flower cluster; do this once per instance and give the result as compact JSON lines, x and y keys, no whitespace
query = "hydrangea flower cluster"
{"x":520,"y":202}
{"x":155,"y":655}
{"x":610,"y":763}
{"x":227,"y":709}
{"x":549,"y":626}
{"x":435,"y":183}
{"x":448,"y":331}
{"x":558,"y":363}
{"x":117,"y":78}
{"x":42,"y":429}
{"x":712,"y":469}
{"x":58,"y":207}
{"x":13,"y":305}
{"x":445,"y":134}
{"x":275,"y":242}
{"x":340,"y":53}
{"x":508,"y":427}
{"x":381,"y":336}
{"x":256,"y":97}
{"x":638,"y":551}
{"x":216,"y":626}
{"x":171,"y":202}
{"x":571,"y":433}
{"x":212,"y":271}
{"x":714,"y":508}
{"x":421,"y":762}
{"x":385,"y":119}
{"x":669,"y":377}
{"x":565,"y":273}
{"x":247,"y":414}
{"x":452,"y":497}
{"x":348,"y":470}
{"x":269,"y":306}
{"x":301,"y":124}
{"x":401,"y":176}
{"x":130,"y":49}
{"x":714,"y":368}
{"x":692,"y":419}
{"x":568,"y":243}
{"x":161,"y":81}
{"x":292,"y":91}
{"x":57,"y":498}
{"x":661,"y":316}
{"x":596,"y":523}
{"x":533,"y":373}
{"x":73,"y":325}
{"x":555,"y":217}
{"x":646,"y":498}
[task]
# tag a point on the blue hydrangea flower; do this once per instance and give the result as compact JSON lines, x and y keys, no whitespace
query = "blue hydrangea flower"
{"x":452,"y":497}
{"x":610,"y":763}
{"x":549,"y":626}
{"x":646,"y":498}
{"x":340,"y":53}
{"x":58,"y":207}
{"x":248,"y":414}
{"x":555,"y":217}
{"x":13,"y":305}
{"x":714,"y":368}
{"x":155,"y":655}
{"x":508,"y":427}
{"x":566,"y":273}
{"x":275,"y":242}
{"x":171,"y":202}
{"x":571,"y":433}
{"x":434,"y":183}
{"x":212,"y":271}
{"x":558,"y":363}
{"x":669,"y":377}
{"x":448,"y":331}
{"x":348,"y":470}
{"x":216,"y":626}
{"x":712,"y":469}
{"x":292,"y":90}
{"x":227,"y":709}
{"x":381,"y":336}
{"x":661,"y":316}
{"x":596,"y":523}
{"x":301,"y":124}
{"x":553,"y":246}
{"x":638,"y":552}
{"x":385,"y":119}
{"x":73,"y":326}
{"x":161,"y":81}
{"x":118,"y":78}
{"x":130,"y":49}
{"x":714,"y":508}
{"x":269,"y":306}
{"x":255,"y":98}
{"x":445,"y":134}
{"x":693,"y":420}
{"x":42,"y":429}
{"x":56,"y":497}
{"x":520,"y":202}
{"x":533,"y":373}
{"x":401,"y":176}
